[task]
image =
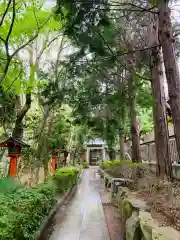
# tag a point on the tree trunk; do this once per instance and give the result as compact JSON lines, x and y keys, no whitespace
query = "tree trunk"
{"x":171,"y":67}
{"x":111,"y":154}
{"x":136,"y":153}
{"x":74,"y":157}
{"x":45,"y":150}
{"x":18,"y":129}
{"x":161,"y":133}
{"x":45,"y":164}
{"x":41,"y":144}
{"x":121,"y":144}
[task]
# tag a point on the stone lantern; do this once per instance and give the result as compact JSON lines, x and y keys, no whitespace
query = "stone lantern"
{"x":14,"y":152}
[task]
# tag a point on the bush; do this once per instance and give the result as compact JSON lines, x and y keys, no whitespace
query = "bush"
{"x":8,"y":185}
{"x":23,"y":210}
{"x":65,"y":178}
{"x":125,"y":169}
{"x":85,"y":165}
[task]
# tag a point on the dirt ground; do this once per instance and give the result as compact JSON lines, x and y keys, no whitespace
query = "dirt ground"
{"x":165,"y":213}
{"x":111,"y":215}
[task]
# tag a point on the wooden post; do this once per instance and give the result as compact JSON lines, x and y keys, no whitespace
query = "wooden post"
{"x":13,"y":164}
{"x":53,"y":163}
{"x":83,"y":157}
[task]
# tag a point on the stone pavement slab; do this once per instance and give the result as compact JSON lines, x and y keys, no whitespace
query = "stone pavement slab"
{"x":84,"y":218}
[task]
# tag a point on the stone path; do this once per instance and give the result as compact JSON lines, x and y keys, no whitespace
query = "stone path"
{"x":85,"y":217}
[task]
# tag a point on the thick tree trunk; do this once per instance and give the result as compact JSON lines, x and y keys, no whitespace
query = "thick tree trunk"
{"x":18,"y":129}
{"x":136,"y":153}
{"x":171,"y":67}
{"x":164,"y":165}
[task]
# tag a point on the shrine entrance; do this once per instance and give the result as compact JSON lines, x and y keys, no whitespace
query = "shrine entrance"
{"x":95,"y":152}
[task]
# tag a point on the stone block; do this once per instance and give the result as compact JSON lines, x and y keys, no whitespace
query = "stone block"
{"x":165,"y":233}
{"x":133,"y":230}
{"x":147,"y":224}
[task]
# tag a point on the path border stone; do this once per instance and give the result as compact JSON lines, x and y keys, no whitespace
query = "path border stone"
{"x":67,"y":196}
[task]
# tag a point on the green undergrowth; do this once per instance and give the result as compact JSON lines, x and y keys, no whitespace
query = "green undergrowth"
{"x":23,"y":209}
{"x":120,"y":168}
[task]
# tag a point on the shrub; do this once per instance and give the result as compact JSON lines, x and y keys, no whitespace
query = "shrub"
{"x":23,"y":211}
{"x":109,"y":164}
{"x":8,"y":185}
{"x":85,"y":165}
{"x":65,"y":178}
{"x":117,"y":168}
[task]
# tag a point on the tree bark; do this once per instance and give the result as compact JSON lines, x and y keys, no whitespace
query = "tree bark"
{"x":164,"y":166}
{"x":111,"y":154}
{"x":161,"y":133}
{"x":136,"y":153}
{"x":74,"y":157}
{"x":18,"y":129}
{"x":41,"y":143}
{"x":121,"y":144}
{"x":171,"y":67}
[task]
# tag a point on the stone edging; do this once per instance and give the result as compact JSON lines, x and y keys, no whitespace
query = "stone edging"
{"x":66,"y":196}
{"x":137,"y":221}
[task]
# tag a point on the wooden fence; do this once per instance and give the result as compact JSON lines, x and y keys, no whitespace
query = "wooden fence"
{"x":148,"y":150}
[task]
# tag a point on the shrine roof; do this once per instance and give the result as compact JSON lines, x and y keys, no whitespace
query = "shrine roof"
{"x":96,"y":142}
{"x":15,"y":140}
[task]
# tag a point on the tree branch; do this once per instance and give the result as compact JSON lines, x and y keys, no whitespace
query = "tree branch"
{"x":18,"y":129}
{"x":5,"y":12}
{"x":12,"y":22}
{"x":9,"y":58}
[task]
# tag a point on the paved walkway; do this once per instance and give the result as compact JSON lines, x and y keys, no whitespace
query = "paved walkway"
{"x":85,"y":217}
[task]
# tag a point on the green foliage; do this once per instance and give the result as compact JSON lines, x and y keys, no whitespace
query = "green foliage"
{"x":66,"y":178}
{"x":85,"y":165}
{"x":61,"y":129}
{"x":113,"y":164}
{"x":31,"y":20}
{"x":146,"y":120}
{"x":7,"y":185}
{"x":94,"y":20}
{"x":108,"y":164}
{"x":23,"y":211}
{"x":122,"y":168}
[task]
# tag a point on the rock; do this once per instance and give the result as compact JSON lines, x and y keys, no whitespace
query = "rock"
{"x":127,"y":203}
{"x":139,"y":205}
{"x":133,"y":230}
{"x":165,"y":233}
{"x":143,"y":238}
{"x":147,"y":224}
{"x":122,"y":192}
{"x":126,"y":210}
